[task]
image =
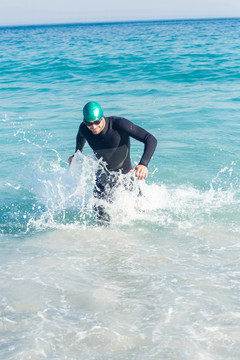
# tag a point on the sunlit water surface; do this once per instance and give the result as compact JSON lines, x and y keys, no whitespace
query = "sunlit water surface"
{"x":161,"y":281}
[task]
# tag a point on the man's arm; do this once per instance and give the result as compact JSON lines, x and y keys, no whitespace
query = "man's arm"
{"x":80,"y":142}
{"x":150,"y":143}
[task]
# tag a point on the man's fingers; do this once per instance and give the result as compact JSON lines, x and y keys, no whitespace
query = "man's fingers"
{"x":141,"y":171}
{"x":138,"y":173}
{"x":70,"y":160}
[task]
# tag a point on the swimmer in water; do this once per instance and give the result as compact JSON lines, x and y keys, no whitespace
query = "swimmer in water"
{"x":109,"y":138}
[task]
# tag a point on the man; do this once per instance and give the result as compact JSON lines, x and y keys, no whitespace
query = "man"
{"x":109,"y":137}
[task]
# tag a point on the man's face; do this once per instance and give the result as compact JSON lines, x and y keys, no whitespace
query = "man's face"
{"x":96,"y":129}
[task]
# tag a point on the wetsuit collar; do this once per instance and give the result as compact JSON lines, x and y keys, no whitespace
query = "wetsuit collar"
{"x":104,"y":130}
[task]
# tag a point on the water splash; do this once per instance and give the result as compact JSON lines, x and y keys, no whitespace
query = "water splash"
{"x":48,"y":194}
{"x":65,"y":199}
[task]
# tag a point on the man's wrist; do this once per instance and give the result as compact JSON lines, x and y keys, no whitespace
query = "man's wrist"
{"x":142,"y":164}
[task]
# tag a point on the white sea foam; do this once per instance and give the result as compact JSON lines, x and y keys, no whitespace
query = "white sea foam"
{"x":95,"y":292}
{"x":66,"y":195}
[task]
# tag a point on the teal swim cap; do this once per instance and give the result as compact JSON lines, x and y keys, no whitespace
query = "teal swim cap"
{"x":92,"y":111}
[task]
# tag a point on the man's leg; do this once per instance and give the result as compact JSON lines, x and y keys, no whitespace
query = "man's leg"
{"x":103,"y":191}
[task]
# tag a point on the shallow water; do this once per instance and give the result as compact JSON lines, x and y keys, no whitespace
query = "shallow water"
{"x":161,"y":281}
{"x":106,"y":293}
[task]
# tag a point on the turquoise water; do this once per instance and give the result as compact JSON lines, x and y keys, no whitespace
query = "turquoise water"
{"x":162,"y":281}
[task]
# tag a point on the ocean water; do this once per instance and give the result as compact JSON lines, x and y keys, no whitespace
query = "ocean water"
{"x":162,"y":281}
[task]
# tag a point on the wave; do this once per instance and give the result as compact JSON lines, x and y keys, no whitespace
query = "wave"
{"x":55,"y":196}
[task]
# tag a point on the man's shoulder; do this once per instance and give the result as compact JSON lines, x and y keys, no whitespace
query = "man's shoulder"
{"x":118,"y":121}
{"x":82,"y":129}
{"x":115,"y":118}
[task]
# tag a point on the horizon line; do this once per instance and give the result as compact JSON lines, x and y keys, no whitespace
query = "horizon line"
{"x":117,"y":22}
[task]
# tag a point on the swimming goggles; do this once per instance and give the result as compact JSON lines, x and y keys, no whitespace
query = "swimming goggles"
{"x":91,"y":123}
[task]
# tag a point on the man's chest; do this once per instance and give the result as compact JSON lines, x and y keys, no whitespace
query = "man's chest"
{"x":111,"y":139}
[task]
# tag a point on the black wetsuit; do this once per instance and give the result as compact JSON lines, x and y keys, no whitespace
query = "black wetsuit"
{"x":113,"y":146}
{"x":113,"y":143}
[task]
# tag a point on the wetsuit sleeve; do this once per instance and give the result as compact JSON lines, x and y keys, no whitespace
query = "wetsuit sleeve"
{"x":80,"y":140}
{"x":140,"y":134}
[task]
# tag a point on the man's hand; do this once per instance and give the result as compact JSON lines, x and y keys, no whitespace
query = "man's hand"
{"x":141,"y":171}
{"x":70,"y":159}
